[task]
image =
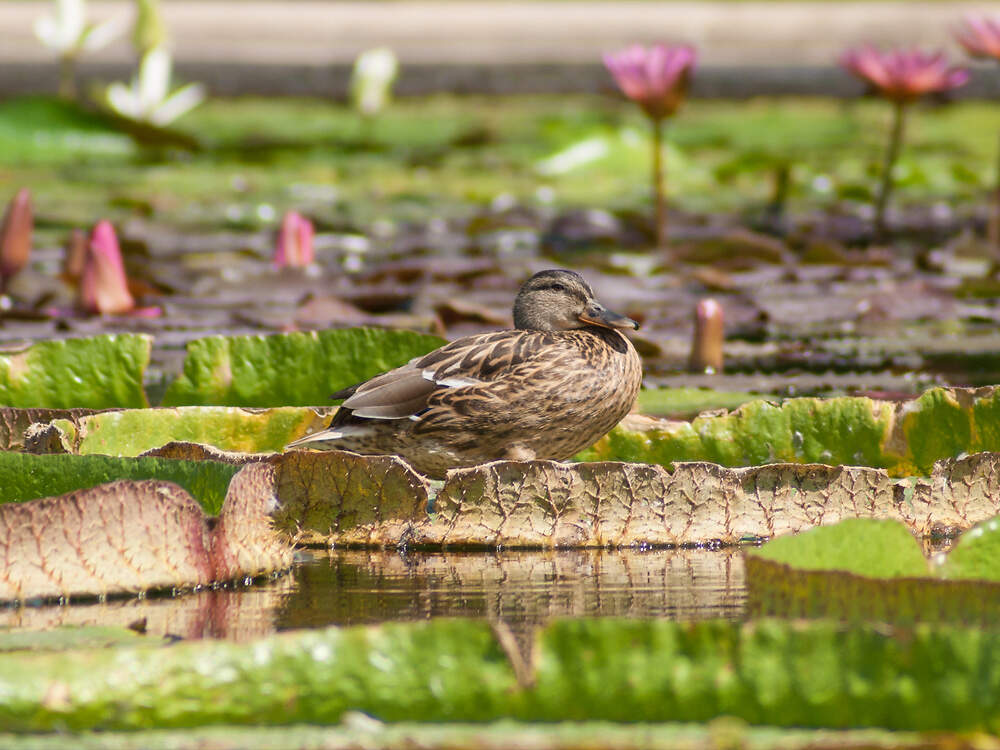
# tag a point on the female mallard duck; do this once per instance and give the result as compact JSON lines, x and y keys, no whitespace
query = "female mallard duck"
{"x":548,"y":389}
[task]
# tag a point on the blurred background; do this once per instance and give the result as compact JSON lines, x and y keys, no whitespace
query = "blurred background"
{"x":826,"y":172}
{"x":285,"y":48}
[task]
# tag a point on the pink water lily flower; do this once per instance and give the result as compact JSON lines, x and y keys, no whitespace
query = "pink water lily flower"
{"x":295,"y":242}
{"x":103,"y":284}
{"x":903,"y":75}
{"x":15,"y":236}
{"x":656,"y":78}
{"x":980,"y":36}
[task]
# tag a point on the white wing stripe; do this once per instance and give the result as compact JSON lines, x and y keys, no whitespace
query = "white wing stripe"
{"x":458,"y":382}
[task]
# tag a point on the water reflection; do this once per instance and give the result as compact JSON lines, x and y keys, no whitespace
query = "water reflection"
{"x":356,"y":587}
{"x":517,"y":587}
{"x":239,"y":613}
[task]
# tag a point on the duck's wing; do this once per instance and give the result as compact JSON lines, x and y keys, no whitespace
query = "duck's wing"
{"x":469,"y":361}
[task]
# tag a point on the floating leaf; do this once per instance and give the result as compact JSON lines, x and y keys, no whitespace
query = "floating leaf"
{"x":976,"y":555}
{"x":342,"y":498}
{"x":769,"y":672}
{"x":864,"y":546}
{"x":131,"y":432}
{"x":133,"y":536}
{"x":291,"y":369}
{"x":871,"y":570}
{"x":551,"y":504}
{"x":67,"y":637}
{"x":504,"y":734}
{"x":102,"y":372}
{"x":905,"y":439}
{"x":26,"y":477}
{"x":130,"y":536}
{"x":689,"y":402}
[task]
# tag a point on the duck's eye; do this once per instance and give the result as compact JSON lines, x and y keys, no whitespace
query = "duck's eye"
{"x":557,"y":287}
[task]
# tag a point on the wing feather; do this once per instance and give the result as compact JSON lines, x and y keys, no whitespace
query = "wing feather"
{"x":468,"y":362}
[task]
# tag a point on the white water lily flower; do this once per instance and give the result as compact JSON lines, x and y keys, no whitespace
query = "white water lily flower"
{"x":371,"y":81}
{"x":147,"y":99}
{"x":67,"y":31}
{"x":574,"y":156}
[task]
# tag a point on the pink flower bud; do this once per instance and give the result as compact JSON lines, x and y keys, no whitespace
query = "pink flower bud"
{"x":295,"y":242}
{"x":709,"y":333}
{"x":103,"y":285}
{"x":15,"y":235}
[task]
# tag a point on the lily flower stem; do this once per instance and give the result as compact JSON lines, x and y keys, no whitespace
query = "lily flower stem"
{"x":994,"y":222}
{"x":67,"y":76}
{"x":891,"y":155}
{"x":659,"y":198}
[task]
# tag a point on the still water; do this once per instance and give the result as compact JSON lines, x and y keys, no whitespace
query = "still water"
{"x":343,"y":587}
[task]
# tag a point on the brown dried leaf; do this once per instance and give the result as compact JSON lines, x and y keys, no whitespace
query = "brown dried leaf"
{"x":15,"y":422}
{"x":185,"y":451}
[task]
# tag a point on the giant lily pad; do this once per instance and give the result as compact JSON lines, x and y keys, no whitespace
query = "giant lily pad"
{"x":132,"y":432}
{"x":976,"y":555}
{"x":128,"y":536}
{"x":97,"y":373}
{"x":290,"y":369}
{"x":769,"y":672}
{"x":361,"y":731}
{"x":545,"y":503}
{"x":133,"y":536}
{"x":869,"y":547}
{"x":905,"y":439}
{"x":26,"y":477}
{"x":868,"y":569}
{"x":681,"y":402}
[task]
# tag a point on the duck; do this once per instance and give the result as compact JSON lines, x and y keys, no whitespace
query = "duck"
{"x":560,"y":380}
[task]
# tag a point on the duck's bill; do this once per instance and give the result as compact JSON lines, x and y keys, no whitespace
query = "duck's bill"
{"x":600,"y":316}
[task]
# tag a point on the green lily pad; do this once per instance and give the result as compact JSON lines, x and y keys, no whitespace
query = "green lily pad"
{"x":864,"y":569}
{"x":801,"y":430}
{"x":131,"y":432}
{"x":361,"y":731}
{"x":27,"y":477}
{"x":66,"y":637}
{"x":689,"y":402}
{"x":102,"y":372}
{"x":976,"y":555}
{"x":906,"y":439}
{"x":813,"y":674}
{"x":289,"y":369}
{"x":863,"y":546}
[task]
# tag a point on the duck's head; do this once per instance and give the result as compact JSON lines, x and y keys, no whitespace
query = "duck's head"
{"x":560,"y":300}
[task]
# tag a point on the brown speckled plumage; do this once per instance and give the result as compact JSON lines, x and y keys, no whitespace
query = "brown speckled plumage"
{"x":545,"y":390}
